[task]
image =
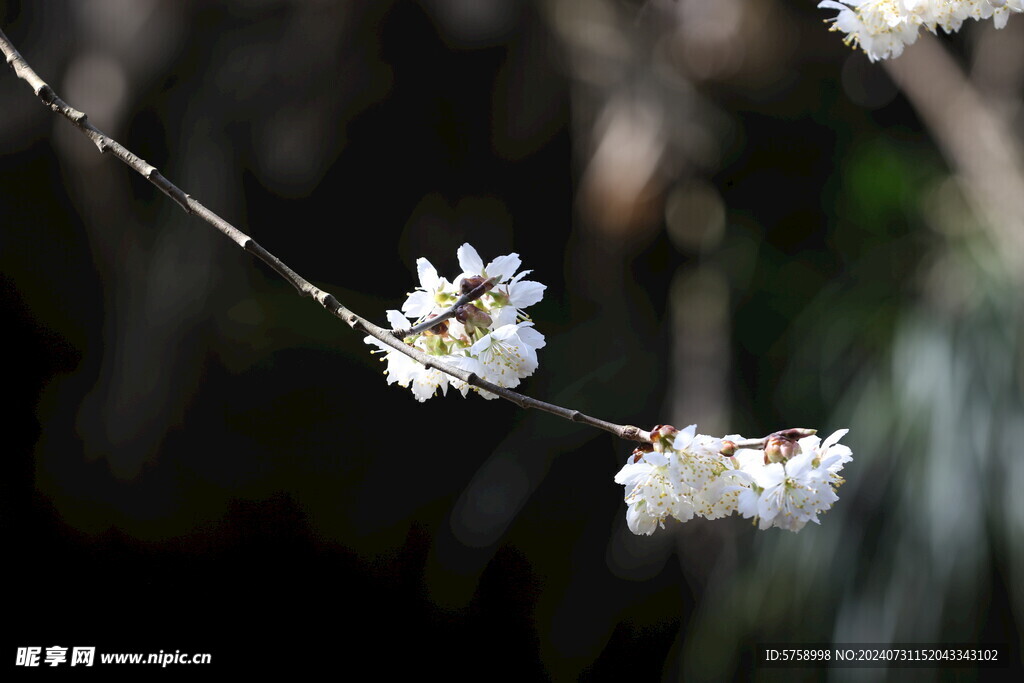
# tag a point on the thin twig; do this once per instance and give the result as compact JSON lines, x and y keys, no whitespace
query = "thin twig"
{"x":755,"y":444}
{"x":305,"y":288}
{"x":472,"y":295}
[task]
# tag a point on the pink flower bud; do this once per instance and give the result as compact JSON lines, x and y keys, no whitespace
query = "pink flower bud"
{"x":639,"y":452}
{"x":664,"y":431}
{"x":472,"y":317}
{"x":662,"y":436}
{"x":779,"y":449}
{"x":474,"y":281}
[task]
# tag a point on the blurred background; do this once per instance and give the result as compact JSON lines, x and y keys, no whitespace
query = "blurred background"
{"x":741,"y":222}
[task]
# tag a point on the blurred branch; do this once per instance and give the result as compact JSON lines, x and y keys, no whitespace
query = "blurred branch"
{"x":106,"y":144}
{"x":976,"y":141}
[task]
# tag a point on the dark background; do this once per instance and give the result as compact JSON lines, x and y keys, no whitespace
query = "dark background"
{"x":741,"y":223}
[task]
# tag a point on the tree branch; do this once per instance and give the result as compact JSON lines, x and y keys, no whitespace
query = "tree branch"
{"x":305,"y":288}
{"x":392,"y":338}
{"x":981,"y":147}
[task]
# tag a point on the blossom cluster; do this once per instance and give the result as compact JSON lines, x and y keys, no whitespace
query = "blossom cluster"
{"x":882,"y":27}
{"x":683,"y":474}
{"x":490,"y":336}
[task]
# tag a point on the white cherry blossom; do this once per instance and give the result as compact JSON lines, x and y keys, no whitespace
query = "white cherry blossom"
{"x":690,"y":476}
{"x":508,"y":354}
{"x":831,"y":454}
{"x":650,"y":495}
{"x":484,"y":338}
{"x":503,"y":267}
{"x":510,"y":295}
{"x":881,"y":28}
{"x":697,"y":460}
{"x":788,"y":495}
{"x":431,"y":295}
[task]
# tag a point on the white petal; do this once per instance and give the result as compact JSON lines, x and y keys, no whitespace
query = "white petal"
{"x":799,"y":465}
{"x":526,"y":293}
{"x":504,"y":332}
{"x":426,"y":383}
{"x":464,"y":363}
{"x":519,"y":277}
{"x":456,"y":329}
{"x":427,"y":273}
{"x":376,"y":342}
{"x":767,"y":507}
{"x":504,"y":267}
{"x":397,"y":320}
{"x":842,"y":451}
{"x":419,"y":305}
{"x":809,"y":444}
{"x":749,"y":459}
{"x":834,"y":439}
{"x":768,"y":476}
{"x":481,"y":345}
{"x":506,"y":315}
{"x":746,"y":504}
{"x":532,"y":337}
{"x":656,"y":459}
{"x":832,"y":463}
{"x":639,"y":522}
{"x":632,"y":474}
{"x":469,"y":260}
{"x":684,"y":437}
